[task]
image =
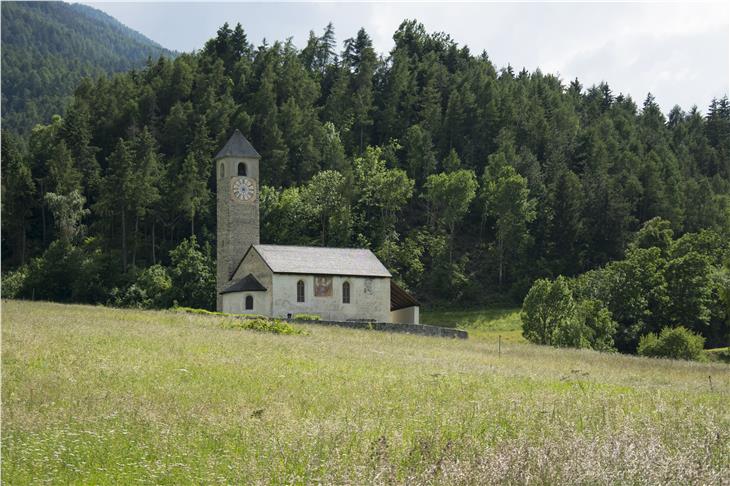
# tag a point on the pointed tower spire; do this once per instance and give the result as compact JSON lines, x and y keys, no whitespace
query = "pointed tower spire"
{"x":237,"y":188}
{"x":238,"y":146}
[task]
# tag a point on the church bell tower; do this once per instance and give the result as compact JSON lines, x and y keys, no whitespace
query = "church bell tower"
{"x":237,"y":176}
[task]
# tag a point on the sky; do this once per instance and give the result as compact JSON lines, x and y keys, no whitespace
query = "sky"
{"x":680,"y":52}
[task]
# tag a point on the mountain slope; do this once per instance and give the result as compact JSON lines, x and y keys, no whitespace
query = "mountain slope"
{"x":47,"y":47}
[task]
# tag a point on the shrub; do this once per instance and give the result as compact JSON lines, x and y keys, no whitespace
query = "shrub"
{"x":205,"y":312}
{"x":133,"y":297}
{"x":307,"y":317}
{"x":672,"y":342}
{"x":52,"y":275}
{"x":261,"y":324}
{"x":157,"y":285}
{"x":13,"y":282}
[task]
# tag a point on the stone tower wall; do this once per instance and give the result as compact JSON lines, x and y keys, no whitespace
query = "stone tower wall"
{"x":237,"y":222}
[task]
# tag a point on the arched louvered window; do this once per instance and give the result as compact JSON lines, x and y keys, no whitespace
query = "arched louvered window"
{"x":300,"y":291}
{"x":223,"y":170}
{"x":346,"y":293}
{"x":241,"y":169}
{"x":249,"y":302}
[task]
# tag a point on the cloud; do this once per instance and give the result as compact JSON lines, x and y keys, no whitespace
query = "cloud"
{"x":671,"y":66}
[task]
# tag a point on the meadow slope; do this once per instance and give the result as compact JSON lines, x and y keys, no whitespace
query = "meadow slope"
{"x":105,"y":396}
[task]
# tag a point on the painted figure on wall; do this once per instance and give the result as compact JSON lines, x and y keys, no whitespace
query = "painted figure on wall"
{"x":322,"y":286}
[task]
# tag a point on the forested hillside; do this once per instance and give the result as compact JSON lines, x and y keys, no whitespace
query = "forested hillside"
{"x":48,"y":47}
{"x":470,"y":181}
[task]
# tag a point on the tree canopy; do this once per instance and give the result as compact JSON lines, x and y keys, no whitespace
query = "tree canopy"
{"x":469,"y":181}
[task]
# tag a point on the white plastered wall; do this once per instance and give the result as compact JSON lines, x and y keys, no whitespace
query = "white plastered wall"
{"x":409,"y":315}
{"x":234,"y":302}
{"x":369,"y":298}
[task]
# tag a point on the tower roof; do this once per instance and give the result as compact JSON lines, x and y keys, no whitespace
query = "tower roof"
{"x":238,"y":146}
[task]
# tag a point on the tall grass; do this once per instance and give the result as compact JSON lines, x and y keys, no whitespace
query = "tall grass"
{"x":105,"y":396}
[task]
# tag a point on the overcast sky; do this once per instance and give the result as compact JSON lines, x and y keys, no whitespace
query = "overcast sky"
{"x":678,"y":52}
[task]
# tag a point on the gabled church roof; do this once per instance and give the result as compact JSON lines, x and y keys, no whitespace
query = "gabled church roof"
{"x":315,"y":260}
{"x":238,"y":146}
{"x":249,"y":283}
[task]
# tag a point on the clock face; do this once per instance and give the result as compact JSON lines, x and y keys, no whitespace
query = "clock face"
{"x":243,"y":189}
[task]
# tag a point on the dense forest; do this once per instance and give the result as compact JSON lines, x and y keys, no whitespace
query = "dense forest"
{"x":468,"y":181}
{"x":48,"y":47}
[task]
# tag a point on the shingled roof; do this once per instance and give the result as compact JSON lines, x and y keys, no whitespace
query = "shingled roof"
{"x":249,"y":283}
{"x":316,"y":260}
{"x":238,"y":146}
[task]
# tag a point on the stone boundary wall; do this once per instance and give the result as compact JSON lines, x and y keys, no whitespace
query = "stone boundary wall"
{"x":421,"y":329}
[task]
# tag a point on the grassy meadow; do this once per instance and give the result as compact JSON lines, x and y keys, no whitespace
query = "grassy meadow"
{"x":92,"y":395}
{"x":482,"y":324}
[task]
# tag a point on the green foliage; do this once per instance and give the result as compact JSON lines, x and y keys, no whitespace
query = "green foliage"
{"x":380,"y":194}
{"x":506,"y":199}
{"x":260,"y":324}
{"x":68,"y":210}
{"x":192,"y":275}
{"x":689,"y":290}
{"x":307,"y":317}
{"x":382,"y":153}
{"x":151,"y":290}
{"x":13,"y":283}
{"x":192,"y":310}
{"x":672,"y":342}
{"x":157,"y":285}
{"x":17,"y":192}
{"x":598,"y":327}
{"x":324,"y":198}
{"x":655,"y":233}
{"x":50,"y":276}
{"x":550,"y":315}
{"x":548,"y":308}
{"x":48,"y":47}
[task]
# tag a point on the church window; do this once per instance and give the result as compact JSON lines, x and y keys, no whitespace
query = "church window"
{"x":300,"y":291}
{"x":223,"y":170}
{"x":346,"y":293}
{"x":249,"y":302}
{"x":241,"y":169}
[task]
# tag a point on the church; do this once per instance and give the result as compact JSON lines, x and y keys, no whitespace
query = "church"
{"x":336,"y":284}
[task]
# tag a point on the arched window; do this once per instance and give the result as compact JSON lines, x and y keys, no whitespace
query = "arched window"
{"x":249,"y":302}
{"x":346,"y":293}
{"x":300,"y":291}
{"x":241,"y":169}
{"x":223,"y":170}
